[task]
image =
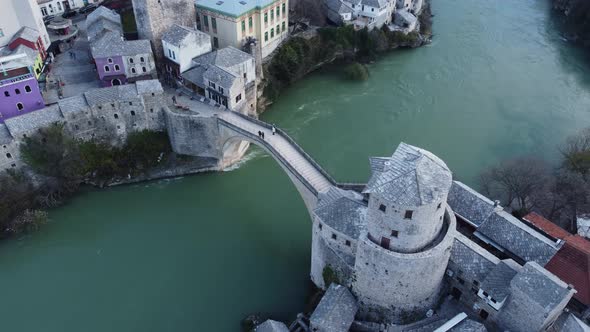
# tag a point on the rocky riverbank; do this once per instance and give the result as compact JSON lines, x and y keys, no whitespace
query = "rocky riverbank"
{"x":310,"y":50}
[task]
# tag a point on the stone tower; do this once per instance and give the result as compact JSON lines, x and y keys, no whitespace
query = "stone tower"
{"x":402,"y":256}
{"x":154,"y":17}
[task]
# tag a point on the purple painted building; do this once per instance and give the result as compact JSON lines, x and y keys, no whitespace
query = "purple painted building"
{"x":19,"y":90}
{"x":111,"y":70}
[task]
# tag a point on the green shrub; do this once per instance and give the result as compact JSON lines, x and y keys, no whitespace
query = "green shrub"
{"x":330,"y":276}
{"x":356,"y":72}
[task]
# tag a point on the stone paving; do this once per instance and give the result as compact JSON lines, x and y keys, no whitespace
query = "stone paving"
{"x":77,"y":75}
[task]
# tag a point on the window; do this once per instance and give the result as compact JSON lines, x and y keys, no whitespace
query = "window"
{"x":272,"y":32}
{"x":206,"y":22}
{"x":211,"y":84}
{"x":107,"y":69}
{"x":272,"y":15}
{"x":409,"y":214}
{"x":266,"y":36}
{"x":284,"y":27}
{"x":133,"y":70}
{"x":285,"y":11}
{"x":141,"y":59}
{"x":144,"y":69}
{"x":27,"y":89}
{"x":116,"y":116}
{"x":220,"y":90}
{"x":485,"y":294}
{"x":117,"y":68}
{"x":130,"y":103}
{"x":250,"y":22}
{"x":43,"y":12}
{"x":278,"y":12}
{"x":439,"y":206}
{"x":109,"y":60}
{"x":266,"y":18}
{"x":334,"y":237}
{"x":17,"y":91}
{"x":244,"y":26}
{"x":215,"y":42}
{"x":20,"y":106}
{"x":347,"y":243}
{"x":6,"y":94}
{"x":238,"y":98}
{"x":278,"y":29}
{"x":461,"y":281}
{"x":8,"y":155}
{"x":214,"y":24}
{"x":245,"y":76}
{"x":320,"y":225}
{"x":59,"y":6}
{"x":382,"y":208}
{"x":394,"y":233}
{"x":130,"y":60}
{"x":169,"y":53}
{"x":133,"y":113}
{"x":476,"y":283}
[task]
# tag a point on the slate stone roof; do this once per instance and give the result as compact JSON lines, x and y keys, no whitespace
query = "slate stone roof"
{"x":5,"y":136}
{"x":221,"y":77}
{"x":497,"y":282}
{"x":103,"y":13}
{"x":101,"y":26}
{"x":411,"y":177}
{"x":474,"y":261}
{"x":272,"y":326}
{"x":148,"y":86}
{"x":27,"y":34}
{"x":406,"y":16}
{"x":541,"y":286}
{"x":374,"y":3}
{"x":567,"y":322}
{"x":336,"y":310}
{"x":342,"y":211}
{"x":468,"y":204}
{"x":33,"y":120}
{"x":513,"y":235}
{"x":111,"y":44}
{"x":179,"y":35}
{"x":338,"y":6}
{"x":72,"y":105}
{"x":102,"y":96}
{"x":225,"y":58}
{"x":195,"y":75}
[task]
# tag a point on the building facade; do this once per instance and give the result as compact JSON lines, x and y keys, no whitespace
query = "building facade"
{"x":154,"y":17}
{"x":235,"y":24}
{"x":181,"y":45}
{"x":15,"y":15}
{"x":58,"y":7}
{"x":19,"y":90}
{"x":118,"y":61}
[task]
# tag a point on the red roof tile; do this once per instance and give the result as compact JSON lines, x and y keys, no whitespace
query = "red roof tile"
{"x":546,"y":226}
{"x":572,"y":262}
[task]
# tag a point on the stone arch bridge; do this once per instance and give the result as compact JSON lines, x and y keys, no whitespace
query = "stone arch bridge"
{"x":223,"y":137}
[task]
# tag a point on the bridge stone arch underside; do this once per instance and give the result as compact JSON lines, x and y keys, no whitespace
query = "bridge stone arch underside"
{"x":225,"y":137}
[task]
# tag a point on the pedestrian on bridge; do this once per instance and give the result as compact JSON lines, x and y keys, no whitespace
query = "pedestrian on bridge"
{"x":262,"y":134}
{"x":274,"y":130}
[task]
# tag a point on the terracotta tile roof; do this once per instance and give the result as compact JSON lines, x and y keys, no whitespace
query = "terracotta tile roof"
{"x":546,"y":226}
{"x":572,"y":262}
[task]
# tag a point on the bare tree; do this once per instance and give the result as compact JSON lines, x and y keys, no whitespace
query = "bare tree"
{"x":310,"y":9}
{"x":576,"y":153}
{"x":516,"y":182}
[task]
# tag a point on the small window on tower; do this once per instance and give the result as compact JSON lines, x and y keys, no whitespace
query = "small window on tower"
{"x":347,"y":242}
{"x":382,"y":208}
{"x":394,"y":233}
{"x":439,"y":205}
{"x":409,"y":214}
{"x":334,"y":237}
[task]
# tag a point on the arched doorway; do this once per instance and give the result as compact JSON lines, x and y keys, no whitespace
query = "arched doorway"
{"x":115,"y":82}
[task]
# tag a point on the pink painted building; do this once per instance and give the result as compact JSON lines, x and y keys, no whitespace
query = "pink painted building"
{"x":19,"y":90}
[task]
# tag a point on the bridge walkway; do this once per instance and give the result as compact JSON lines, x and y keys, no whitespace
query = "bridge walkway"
{"x":283,"y":147}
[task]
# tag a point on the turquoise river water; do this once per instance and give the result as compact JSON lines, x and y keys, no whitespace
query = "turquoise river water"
{"x":199,"y":253}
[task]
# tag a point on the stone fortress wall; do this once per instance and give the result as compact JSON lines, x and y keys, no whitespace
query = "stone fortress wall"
{"x":107,"y":115}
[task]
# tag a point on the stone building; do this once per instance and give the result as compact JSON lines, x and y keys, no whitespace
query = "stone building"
{"x":232,"y":23}
{"x":368,"y":14}
{"x":226,"y":76}
{"x":107,"y":115}
{"x":154,"y":17}
{"x":15,"y":15}
{"x":118,"y":61}
{"x":182,"y":44}
{"x":58,"y":7}
{"x":335,"y":312}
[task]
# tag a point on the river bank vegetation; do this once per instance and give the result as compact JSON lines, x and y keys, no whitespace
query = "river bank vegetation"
{"x":529,"y":183}
{"x":58,"y":164}
{"x":302,"y":55}
{"x":576,"y":18}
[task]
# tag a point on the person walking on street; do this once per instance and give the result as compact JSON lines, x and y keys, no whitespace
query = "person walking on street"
{"x":259,"y":134}
{"x":263,"y":135}
{"x":174,"y":99}
{"x":274,"y":130}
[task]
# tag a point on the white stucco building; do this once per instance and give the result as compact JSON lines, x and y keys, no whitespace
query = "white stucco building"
{"x":361,"y":13}
{"x":58,"y":7}
{"x":16,"y":14}
{"x":181,"y":45}
{"x":233,"y":23}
